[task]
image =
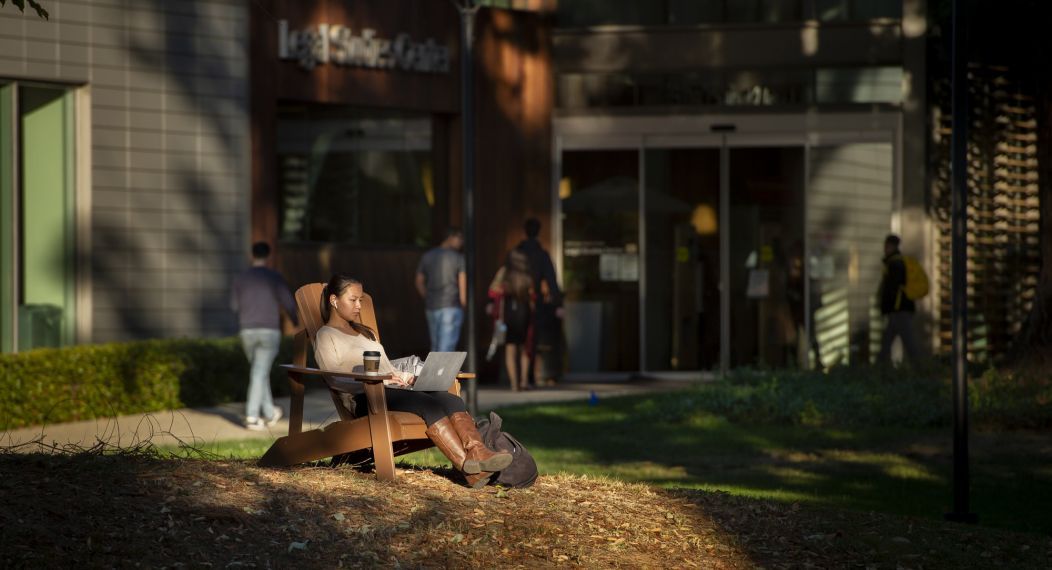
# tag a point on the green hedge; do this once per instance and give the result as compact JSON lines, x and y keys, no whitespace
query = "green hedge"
{"x":54,"y":385}
{"x":867,"y":396}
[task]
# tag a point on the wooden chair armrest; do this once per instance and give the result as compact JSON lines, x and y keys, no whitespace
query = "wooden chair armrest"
{"x":338,"y":381}
{"x":365,"y":378}
{"x":300,"y":369}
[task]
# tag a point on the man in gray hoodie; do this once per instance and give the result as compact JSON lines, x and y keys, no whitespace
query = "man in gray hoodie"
{"x":258,"y":297}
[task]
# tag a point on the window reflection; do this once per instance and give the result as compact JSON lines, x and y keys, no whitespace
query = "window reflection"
{"x":600,"y":228}
{"x":737,"y":87}
{"x":584,"y":13}
{"x":354,"y":176}
{"x":769,"y":11}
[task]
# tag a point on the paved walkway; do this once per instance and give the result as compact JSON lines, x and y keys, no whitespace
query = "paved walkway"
{"x":200,"y":426}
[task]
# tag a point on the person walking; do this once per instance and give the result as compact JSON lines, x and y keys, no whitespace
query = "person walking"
{"x":548,"y":309}
{"x":895,"y":305}
{"x":442,"y":281}
{"x":512,"y":297}
{"x":258,"y":296}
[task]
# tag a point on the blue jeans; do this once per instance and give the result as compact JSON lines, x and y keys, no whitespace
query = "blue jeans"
{"x":261,"y":347}
{"x":444,"y":326}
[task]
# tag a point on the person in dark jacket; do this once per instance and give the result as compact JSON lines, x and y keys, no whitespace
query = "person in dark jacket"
{"x":258,"y":297}
{"x":548,"y":310}
{"x":897,"y":308}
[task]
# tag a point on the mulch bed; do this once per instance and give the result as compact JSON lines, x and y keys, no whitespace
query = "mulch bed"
{"x":138,"y":509}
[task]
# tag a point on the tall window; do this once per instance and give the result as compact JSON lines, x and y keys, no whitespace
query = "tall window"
{"x":583,"y":13}
{"x":761,"y":87}
{"x":37,"y":253}
{"x":354,"y":176}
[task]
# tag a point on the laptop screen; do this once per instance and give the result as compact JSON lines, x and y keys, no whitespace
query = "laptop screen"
{"x":440,"y":370}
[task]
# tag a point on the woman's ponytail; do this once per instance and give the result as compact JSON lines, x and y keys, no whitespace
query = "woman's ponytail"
{"x":326,"y":309}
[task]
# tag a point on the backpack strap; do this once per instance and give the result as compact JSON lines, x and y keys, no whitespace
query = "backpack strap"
{"x":495,"y":421}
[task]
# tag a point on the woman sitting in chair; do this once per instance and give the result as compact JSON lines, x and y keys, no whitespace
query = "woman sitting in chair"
{"x":338,"y":347}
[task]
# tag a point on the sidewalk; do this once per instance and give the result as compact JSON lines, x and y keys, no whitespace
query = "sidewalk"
{"x":200,"y":426}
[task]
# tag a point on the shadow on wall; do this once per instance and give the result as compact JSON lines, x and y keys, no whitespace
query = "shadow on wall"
{"x":166,"y":271}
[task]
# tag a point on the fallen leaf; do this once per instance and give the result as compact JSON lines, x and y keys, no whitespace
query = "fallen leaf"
{"x":338,"y":516}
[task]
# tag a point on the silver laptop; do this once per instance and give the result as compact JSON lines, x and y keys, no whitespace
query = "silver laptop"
{"x":439,"y":372}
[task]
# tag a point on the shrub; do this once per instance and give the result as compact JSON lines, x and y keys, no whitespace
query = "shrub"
{"x":1011,"y":399}
{"x":53,"y":385}
{"x":865,"y":396}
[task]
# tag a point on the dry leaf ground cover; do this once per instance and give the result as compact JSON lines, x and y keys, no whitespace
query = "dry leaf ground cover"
{"x":137,"y":509}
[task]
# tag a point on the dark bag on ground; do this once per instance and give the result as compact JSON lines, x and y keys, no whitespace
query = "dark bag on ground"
{"x":523,"y":469}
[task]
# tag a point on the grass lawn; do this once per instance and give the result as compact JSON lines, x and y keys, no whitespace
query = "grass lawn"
{"x":891,"y":470}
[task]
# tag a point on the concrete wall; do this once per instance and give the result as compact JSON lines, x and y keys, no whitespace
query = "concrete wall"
{"x":163,"y":102}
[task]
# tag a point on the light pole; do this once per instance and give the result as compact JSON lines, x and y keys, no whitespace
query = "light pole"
{"x":467,"y":10}
{"x":959,"y":267}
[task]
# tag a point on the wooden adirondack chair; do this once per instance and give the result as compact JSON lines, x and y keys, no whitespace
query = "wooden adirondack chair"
{"x":381,"y":433}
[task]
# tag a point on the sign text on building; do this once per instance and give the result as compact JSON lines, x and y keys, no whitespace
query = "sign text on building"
{"x":339,"y":45}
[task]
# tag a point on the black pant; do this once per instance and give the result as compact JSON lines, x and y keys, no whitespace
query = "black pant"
{"x":432,"y":406}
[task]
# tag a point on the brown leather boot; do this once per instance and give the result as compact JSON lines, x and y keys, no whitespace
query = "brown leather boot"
{"x":448,"y":441}
{"x":478,"y":480}
{"x":474,"y":448}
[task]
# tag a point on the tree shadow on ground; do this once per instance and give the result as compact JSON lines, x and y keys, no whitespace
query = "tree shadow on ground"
{"x":886,"y":470}
{"x":107,"y":510}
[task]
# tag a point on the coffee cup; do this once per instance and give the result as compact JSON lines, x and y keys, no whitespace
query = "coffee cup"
{"x":371,"y":360}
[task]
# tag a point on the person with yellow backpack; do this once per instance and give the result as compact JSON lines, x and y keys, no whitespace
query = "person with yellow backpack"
{"x":902,"y":284}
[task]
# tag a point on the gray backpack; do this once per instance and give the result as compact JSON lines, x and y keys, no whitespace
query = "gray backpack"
{"x":523,"y":469}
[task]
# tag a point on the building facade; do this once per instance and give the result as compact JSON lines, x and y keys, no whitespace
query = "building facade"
{"x":759,"y":153}
{"x":125,"y":170}
{"x":714,"y":178}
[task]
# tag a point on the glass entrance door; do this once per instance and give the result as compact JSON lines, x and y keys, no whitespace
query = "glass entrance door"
{"x":700,"y":251}
{"x":682,"y":258}
{"x":599,"y":199}
{"x":766,"y":246}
